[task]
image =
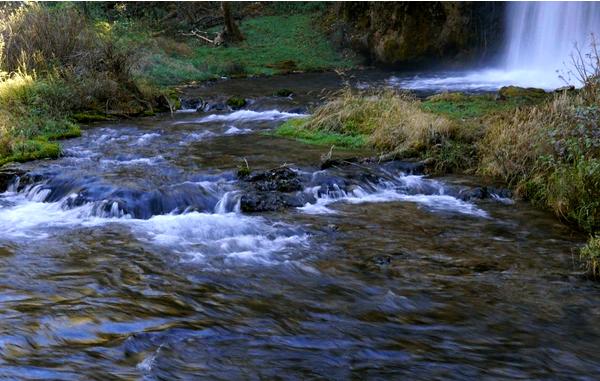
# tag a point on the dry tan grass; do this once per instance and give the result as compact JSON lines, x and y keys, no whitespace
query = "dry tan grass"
{"x":514,"y":141}
{"x":392,"y":121}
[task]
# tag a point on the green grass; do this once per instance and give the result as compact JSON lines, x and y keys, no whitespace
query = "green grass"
{"x":272,"y":45}
{"x":32,"y":150}
{"x":590,"y":254}
{"x":34,"y":114}
{"x":460,"y":106}
{"x":293,"y":128}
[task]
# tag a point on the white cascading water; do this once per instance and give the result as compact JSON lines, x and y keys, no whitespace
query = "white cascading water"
{"x":540,"y":39}
{"x":542,"y":35}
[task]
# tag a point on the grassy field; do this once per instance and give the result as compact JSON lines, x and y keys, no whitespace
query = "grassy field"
{"x":273,"y":45}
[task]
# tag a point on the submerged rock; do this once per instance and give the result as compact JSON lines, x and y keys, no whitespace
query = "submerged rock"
{"x":217,"y":107}
{"x":8,"y":176}
{"x":284,"y":93}
{"x":484,"y":193}
{"x":298,"y":110}
{"x":192,"y":103}
{"x":236,"y":103}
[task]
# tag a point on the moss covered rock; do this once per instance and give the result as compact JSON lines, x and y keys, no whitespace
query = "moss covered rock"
{"x":507,"y":92}
{"x":236,"y":102}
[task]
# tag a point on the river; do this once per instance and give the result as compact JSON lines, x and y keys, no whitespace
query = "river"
{"x":129,"y":259}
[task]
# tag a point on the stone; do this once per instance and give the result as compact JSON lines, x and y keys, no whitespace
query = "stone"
{"x":520,"y":92}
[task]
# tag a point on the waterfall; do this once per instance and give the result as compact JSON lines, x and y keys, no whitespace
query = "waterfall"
{"x":540,"y":39}
{"x":541,"y":36}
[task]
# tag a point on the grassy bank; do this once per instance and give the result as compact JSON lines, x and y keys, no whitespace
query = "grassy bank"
{"x":64,"y":63}
{"x":546,"y":147}
{"x":56,"y":66}
{"x":273,"y":44}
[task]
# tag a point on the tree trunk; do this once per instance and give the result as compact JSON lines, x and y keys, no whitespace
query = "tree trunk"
{"x":232,"y":32}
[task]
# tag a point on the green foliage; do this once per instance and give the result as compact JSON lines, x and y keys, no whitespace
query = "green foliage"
{"x":270,"y":40}
{"x":294,"y":128}
{"x":34,"y":112}
{"x":27,"y":150}
{"x":460,"y":106}
{"x":88,"y":117}
{"x":590,"y":254}
{"x":453,"y":156}
{"x":392,"y":121}
{"x":285,"y":8}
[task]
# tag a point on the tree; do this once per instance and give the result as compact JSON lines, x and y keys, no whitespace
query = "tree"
{"x":232,"y":32}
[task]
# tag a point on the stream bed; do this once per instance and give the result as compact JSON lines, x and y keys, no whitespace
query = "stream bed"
{"x":130,"y":259}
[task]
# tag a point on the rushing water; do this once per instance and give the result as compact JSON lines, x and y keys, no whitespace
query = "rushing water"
{"x":541,"y":37}
{"x":129,"y":259}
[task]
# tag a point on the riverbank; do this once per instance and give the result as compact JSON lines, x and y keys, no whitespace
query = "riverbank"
{"x":71,"y":63}
{"x":544,"y":146}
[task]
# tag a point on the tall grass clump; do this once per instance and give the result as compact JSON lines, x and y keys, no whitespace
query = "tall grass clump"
{"x":393,"y":121}
{"x":54,"y":63}
{"x":551,"y":152}
{"x":590,"y":254}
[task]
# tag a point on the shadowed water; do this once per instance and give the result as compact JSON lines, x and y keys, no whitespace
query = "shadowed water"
{"x":129,"y":259}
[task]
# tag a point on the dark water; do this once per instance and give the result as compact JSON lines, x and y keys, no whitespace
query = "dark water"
{"x":128,"y":259}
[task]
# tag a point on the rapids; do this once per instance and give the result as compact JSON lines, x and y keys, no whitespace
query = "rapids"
{"x":129,"y":258}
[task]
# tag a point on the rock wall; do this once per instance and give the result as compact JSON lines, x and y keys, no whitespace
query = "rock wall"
{"x":409,"y":32}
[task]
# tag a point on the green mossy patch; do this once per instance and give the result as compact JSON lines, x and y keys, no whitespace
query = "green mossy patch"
{"x":273,"y":44}
{"x":33,"y":150}
{"x":294,"y":128}
{"x":88,"y":117}
{"x":236,"y":102}
{"x":462,"y":106}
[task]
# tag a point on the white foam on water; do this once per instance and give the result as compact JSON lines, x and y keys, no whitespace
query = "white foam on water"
{"x":405,"y":188}
{"x":233,"y":130}
{"x":234,"y":237}
{"x":31,"y":218}
{"x":139,"y":161}
{"x":145,"y":138}
{"x":196,"y":136}
{"x":481,"y":80}
{"x":248,"y":115}
{"x":186,"y":111}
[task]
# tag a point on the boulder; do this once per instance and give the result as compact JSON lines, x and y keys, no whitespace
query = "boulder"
{"x":284,"y":93}
{"x":298,"y":110}
{"x":236,"y":103}
{"x":7,"y":176}
{"x":281,"y":179}
{"x":253,"y":201}
{"x":272,"y":190}
{"x":565,"y":89}
{"x":507,"y":92}
{"x":191,"y":103}
{"x":484,"y":192}
{"x":217,"y":107}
